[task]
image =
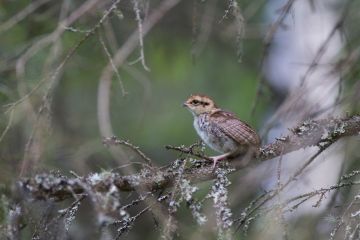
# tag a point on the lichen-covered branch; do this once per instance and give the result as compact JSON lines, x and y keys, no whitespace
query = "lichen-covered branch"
{"x":321,"y":133}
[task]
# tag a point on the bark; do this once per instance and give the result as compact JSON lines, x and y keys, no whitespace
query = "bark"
{"x":322,"y":133}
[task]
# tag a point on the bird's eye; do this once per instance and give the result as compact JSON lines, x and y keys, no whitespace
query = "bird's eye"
{"x":195,"y":102}
{"x":205,"y":103}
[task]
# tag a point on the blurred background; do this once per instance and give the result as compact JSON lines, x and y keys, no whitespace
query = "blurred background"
{"x":73,"y":72}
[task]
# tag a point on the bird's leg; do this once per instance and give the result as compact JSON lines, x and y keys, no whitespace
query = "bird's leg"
{"x":219,"y":158}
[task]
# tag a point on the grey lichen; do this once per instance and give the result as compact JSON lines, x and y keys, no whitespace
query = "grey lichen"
{"x":306,"y":128}
{"x":331,"y":135}
{"x":219,"y":194}
{"x":70,"y":215}
{"x":339,"y":128}
{"x":187,"y":191}
{"x":95,"y":178}
{"x":350,"y":175}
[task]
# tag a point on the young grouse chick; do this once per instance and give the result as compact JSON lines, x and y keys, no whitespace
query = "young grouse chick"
{"x":221,"y":130}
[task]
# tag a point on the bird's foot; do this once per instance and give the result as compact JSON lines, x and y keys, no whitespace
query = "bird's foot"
{"x":221,"y":157}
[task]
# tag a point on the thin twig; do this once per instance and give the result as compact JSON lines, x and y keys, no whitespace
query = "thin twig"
{"x":8,"y":126}
{"x":322,"y":49}
{"x":123,"y":91}
{"x":267,"y":44}
{"x":115,"y":141}
{"x":190,"y":150}
{"x":141,"y":34}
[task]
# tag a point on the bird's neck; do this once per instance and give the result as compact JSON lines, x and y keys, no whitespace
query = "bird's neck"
{"x":212,"y":111}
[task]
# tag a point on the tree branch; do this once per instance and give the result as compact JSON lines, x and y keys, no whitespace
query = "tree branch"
{"x":322,"y":133}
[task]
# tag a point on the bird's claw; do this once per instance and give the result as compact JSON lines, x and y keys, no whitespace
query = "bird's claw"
{"x":215,"y":160}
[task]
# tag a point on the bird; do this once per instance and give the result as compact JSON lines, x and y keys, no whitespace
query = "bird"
{"x":221,"y":130}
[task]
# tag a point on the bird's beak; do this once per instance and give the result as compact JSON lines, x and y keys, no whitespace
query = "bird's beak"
{"x":184,"y":104}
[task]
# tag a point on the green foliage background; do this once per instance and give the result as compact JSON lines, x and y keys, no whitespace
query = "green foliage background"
{"x":151,"y":114}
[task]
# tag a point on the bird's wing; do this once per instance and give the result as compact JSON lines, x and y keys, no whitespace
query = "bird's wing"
{"x":233,"y":127}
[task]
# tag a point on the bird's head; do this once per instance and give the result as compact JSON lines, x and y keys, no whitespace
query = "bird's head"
{"x":199,"y":104}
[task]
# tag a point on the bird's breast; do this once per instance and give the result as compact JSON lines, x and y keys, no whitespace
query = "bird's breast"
{"x":212,"y":135}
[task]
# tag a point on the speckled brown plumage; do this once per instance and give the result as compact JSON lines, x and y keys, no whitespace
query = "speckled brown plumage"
{"x":233,"y":127}
{"x":219,"y":129}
